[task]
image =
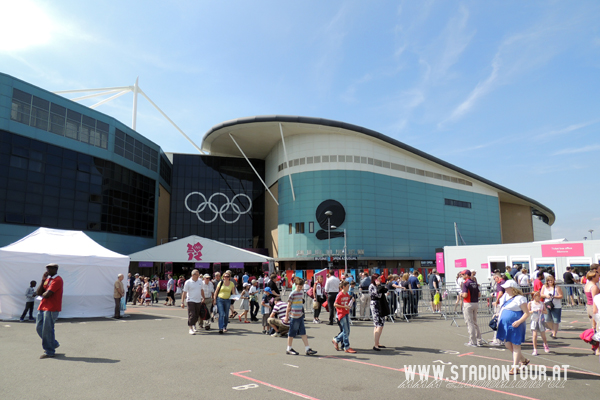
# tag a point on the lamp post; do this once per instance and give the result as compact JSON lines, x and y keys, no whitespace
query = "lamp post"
{"x":329,"y":214}
{"x":345,"y":250}
{"x":591,"y":236}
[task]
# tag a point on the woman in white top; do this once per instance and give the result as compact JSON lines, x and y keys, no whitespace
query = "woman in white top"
{"x":596,"y":309}
{"x":511,"y":323}
{"x":459,"y":282}
{"x":319,"y":294}
{"x":552,"y":292}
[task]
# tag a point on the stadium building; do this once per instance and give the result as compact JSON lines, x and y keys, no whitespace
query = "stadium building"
{"x":305,"y":191}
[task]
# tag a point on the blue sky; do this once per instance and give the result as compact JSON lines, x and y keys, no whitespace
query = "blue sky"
{"x":508,"y":90}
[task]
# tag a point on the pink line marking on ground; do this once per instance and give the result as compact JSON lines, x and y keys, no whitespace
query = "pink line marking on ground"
{"x":444,"y":379}
{"x":466,"y":354}
{"x":304,"y":396}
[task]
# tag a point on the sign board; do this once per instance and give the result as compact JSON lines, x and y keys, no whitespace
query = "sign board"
{"x":562,"y":250}
{"x":461,"y":263}
{"x":439,"y":262}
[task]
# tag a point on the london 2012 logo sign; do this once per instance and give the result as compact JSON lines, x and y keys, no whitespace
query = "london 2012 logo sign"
{"x":223,"y":211}
{"x":195,"y":251}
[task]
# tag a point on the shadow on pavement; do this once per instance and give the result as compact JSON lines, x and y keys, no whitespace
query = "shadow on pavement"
{"x":91,"y":360}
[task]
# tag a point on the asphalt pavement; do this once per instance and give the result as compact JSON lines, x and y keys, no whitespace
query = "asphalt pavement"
{"x":151,"y":355}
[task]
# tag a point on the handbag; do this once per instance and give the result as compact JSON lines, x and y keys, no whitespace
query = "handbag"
{"x":315,"y":304}
{"x":494,"y":321}
{"x":204,"y":313}
{"x":384,"y":307}
{"x":550,"y":303}
{"x":436,"y":299}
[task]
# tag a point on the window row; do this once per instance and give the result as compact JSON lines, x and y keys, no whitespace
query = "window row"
{"x":457,"y":203}
{"x":43,"y":114}
{"x":300,"y":227}
{"x":134,"y":150}
{"x":372,"y":161}
{"x":45,"y":185}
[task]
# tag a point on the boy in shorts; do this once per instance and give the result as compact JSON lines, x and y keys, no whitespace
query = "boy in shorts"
{"x":295,"y":315}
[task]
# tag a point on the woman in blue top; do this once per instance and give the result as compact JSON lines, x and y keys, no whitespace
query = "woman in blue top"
{"x":511,"y":323}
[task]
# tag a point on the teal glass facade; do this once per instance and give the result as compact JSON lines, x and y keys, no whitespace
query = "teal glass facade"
{"x":387,"y":217}
{"x":62,"y":167}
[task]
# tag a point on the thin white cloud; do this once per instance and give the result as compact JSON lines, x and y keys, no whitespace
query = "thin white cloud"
{"x":454,"y":39}
{"x":330,"y":39}
{"x":349,"y":96}
{"x":480,"y":90}
{"x":517,"y":55}
{"x":568,"y":129}
{"x":584,"y":149}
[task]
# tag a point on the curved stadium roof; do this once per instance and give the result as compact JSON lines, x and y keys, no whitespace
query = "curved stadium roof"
{"x":257,"y":136}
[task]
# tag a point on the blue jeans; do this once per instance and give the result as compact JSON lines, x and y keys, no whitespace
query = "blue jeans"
{"x":344,"y":336}
{"x":45,"y":329}
{"x":223,"y":308}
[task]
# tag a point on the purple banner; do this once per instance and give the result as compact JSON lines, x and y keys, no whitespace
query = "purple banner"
{"x":202,"y":265}
{"x":236,"y":265}
{"x":145,"y":264}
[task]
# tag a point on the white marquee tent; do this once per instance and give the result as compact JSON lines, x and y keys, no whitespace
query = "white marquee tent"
{"x":89,"y":272}
{"x":198,"y":249}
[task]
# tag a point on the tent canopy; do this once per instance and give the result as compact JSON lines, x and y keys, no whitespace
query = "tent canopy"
{"x":198,"y":249}
{"x":88,"y":271}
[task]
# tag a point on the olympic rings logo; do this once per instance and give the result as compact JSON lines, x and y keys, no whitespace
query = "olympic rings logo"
{"x":218,"y":211}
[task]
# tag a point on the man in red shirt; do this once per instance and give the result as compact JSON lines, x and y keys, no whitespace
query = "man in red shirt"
{"x":51,"y":292}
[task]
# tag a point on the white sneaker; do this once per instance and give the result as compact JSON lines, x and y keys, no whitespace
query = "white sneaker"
{"x":495,"y":343}
{"x":192,"y":331}
{"x":534,"y":353}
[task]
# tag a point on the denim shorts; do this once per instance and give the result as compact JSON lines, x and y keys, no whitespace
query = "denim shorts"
{"x":554,"y":315}
{"x":297,"y":327}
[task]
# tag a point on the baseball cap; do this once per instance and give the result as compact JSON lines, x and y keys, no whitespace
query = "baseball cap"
{"x":206,"y":276}
{"x":465,"y":272}
{"x":268,"y":289}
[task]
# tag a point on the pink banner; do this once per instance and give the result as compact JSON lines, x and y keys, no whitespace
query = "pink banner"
{"x":460,"y":264}
{"x":485,"y":266}
{"x":562,"y":250}
{"x":439,"y":262}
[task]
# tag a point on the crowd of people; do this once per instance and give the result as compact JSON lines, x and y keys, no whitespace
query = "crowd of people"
{"x":209,"y":299}
{"x":516,"y":300}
